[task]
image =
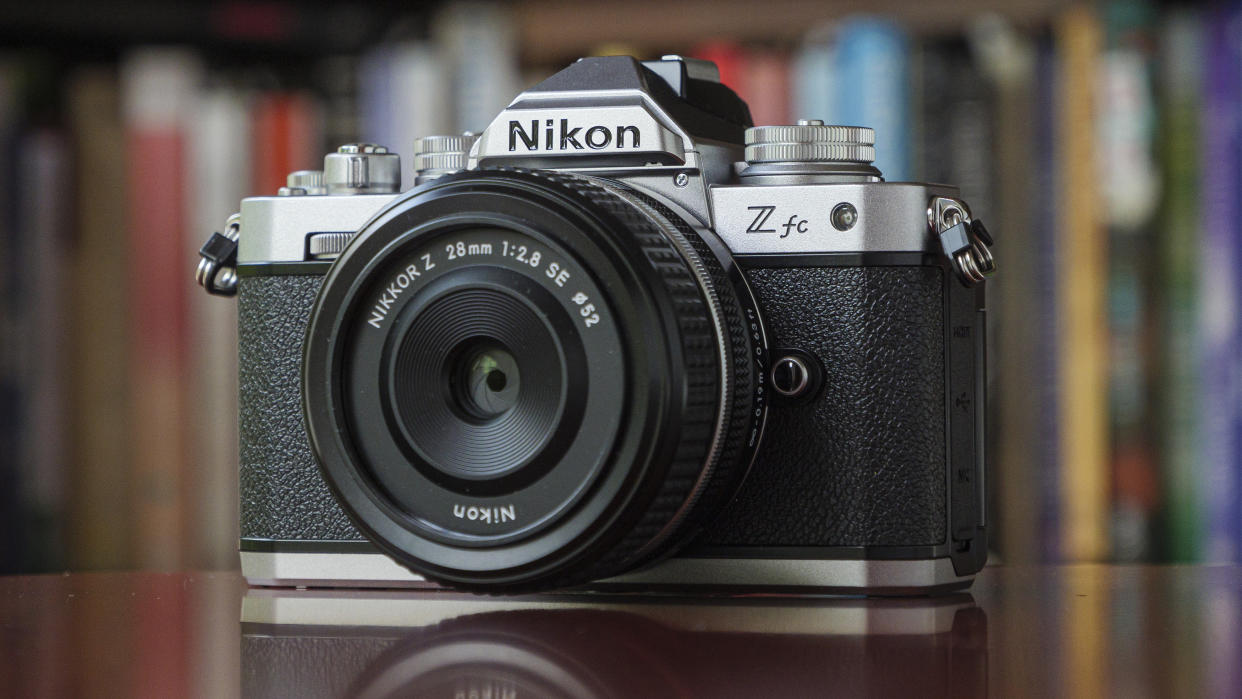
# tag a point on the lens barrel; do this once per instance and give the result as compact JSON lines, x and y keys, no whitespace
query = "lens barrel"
{"x":521,"y":380}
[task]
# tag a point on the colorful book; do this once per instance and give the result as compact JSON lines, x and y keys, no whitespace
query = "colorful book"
{"x":814,"y":75}
{"x":404,"y":93}
{"x":220,"y":123}
{"x":158,"y":88}
{"x":1016,"y":301}
{"x":760,"y":76}
{"x":1219,"y":287}
{"x":286,"y":135}
{"x":873,"y":89}
{"x":730,"y":59}
{"x":857,"y":73}
{"x":338,"y":78}
{"x":1129,"y":186}
{"x":1081,"y":280}
{"x":479,"y":45}
{"x":42,"y":340}
{"x":33,"y":324}
{"x":766,"y":85}
{"x":1178,"y":249}
{"x":100,"y":528}
{"x":955,"y":107}
{"x":1046,"y":358}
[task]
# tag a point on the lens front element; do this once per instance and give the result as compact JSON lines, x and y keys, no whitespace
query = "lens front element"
{"x":483,"y":379}
{"x":456,"y":389}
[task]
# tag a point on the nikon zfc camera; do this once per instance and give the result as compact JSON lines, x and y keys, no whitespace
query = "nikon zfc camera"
{"x":621,"y":339}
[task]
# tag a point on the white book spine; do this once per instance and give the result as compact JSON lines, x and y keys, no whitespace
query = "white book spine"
{"x":218,"y":180}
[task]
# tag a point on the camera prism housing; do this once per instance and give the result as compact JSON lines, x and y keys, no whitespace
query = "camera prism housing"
{"x":620,"y":339}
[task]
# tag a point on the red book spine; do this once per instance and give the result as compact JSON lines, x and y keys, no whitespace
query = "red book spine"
{"x":729,"y":58}
{"x":158,"y":87}
{"x":158,"y":347}
{"x":766,"y":86}
{"x":285,"y":137}
{"x":159,"y":91}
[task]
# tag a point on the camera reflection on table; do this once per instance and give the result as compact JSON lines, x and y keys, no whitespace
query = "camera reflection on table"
{"x":310,"y":643}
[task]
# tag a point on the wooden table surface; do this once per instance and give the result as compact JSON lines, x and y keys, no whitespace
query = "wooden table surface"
{"x":1086,"y":631}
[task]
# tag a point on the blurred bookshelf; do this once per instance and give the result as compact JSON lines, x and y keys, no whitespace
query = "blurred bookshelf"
{"x":1102,"y":142}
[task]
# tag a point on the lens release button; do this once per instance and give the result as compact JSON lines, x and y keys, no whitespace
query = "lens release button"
{"x":791,"y":377}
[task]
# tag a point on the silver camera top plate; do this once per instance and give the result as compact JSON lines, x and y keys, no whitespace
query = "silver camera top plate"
{"x":274,"y":229}
{"x":798,"y":219}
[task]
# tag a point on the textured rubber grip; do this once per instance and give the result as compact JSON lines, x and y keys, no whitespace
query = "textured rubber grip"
{"x":863,"y":463}
{"x":283,"y":494}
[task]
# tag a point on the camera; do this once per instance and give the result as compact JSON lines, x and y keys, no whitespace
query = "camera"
{"x":622,"y":338}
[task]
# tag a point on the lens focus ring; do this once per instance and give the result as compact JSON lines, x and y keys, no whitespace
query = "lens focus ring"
{"x":700,"y":347}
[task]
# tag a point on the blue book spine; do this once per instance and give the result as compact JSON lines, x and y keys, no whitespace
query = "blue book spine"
{"x":377,"y":98}
{"x":814,"y":84}
{"x":873,"y":89}
{"x":1221,"y":254}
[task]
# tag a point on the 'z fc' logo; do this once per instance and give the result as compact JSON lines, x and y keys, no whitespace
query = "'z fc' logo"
{"x":761,"y":219}
{"x":576,"y":138}
{"x":763,"y":213}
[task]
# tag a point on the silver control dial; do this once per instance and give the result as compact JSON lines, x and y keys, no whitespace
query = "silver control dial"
{"x":435,"y":156}
{"x":362,"y":168}
{"x":303,"y":182}
{"x":326,"y":246}
{"x":810,"y":141}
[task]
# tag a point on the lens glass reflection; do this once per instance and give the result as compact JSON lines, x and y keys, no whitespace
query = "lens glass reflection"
{"x":484,"y":379}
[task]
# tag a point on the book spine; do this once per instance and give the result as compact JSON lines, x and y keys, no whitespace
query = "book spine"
{"x":158,"y":85}
{"x":1129,"y":186}
{"x":99,"y":528}
{"x":376,"y":118}
{"x":873,"y":89}
{"x":1082,"y":264}
{"x":10,"y":376}
{"x":956,"y":130}
{"x":479,"y":45}
{"x":814,"y":78}
{"x":1178,"y":249}
{"x":932,"y":155}
{"x":287,"y":135}
{"x":766,"y":86}
{"x":1007,"y":59}
{"x":405,"y":95}
{"x":1047,"y":301}
{"x":1219,"y":289}
{"x":41,"y":341}
{"x":221,"y":128}
{"x":729,"y":58}
{"x":422,"y":100}
{"x":339,"y":77}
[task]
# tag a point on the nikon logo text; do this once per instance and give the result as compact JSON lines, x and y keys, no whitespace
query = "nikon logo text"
{"x":564,"y":137}
{"x":486,"y":515}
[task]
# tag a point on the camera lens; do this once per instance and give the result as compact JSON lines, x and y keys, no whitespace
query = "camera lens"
{"x":455,"y":402}
{"x":521,"y":380}
{"x":483,"y":379}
